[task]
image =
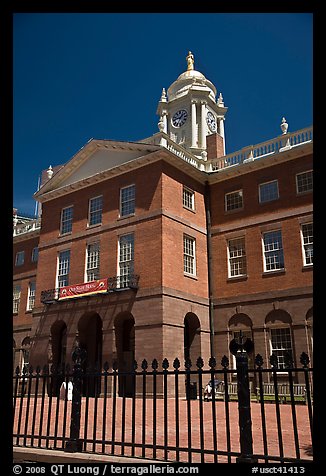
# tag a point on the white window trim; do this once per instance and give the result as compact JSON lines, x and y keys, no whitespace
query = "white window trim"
{"x":33,"y":254}
{"x":17,"y":286}
{"x":187,"y":189}
{"x":296,"y":182}
{"x":119,"y":275}
{"x":86,"y":258}
{"x":120,"y":201}
{"x":266,"y":183}
{"x":305,"y":265}
{"x":58,"y":260}
{"x":194,"y":274}
{"x":229,"y":258}
{"x":20,"y":253}
{"x":29,"y":307}
{"x":279,"y":326}
{"x":89,"y":225}
{"x":61,"y":216}
{"x":278,"y":270}
{"x":240,"y":191}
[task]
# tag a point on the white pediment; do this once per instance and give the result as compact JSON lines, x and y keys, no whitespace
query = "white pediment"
{"x":100,"y":161}
{"x":94,"y":159}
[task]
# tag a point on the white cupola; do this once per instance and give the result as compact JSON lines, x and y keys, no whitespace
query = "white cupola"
{"x":189,"y":111}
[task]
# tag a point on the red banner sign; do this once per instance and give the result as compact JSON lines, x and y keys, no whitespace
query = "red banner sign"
{"x":77,"y":290}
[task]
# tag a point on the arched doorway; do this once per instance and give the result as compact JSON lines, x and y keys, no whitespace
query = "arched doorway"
{"x":192,"y":344}
{"x":59,"y":351}
{"x":125,"y":344}
{"x":90,"y":339}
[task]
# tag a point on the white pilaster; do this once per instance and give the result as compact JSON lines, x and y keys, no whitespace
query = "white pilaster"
{"x":193,"y":124}
{"x":203,"y":125}
{"x":221,"y":129}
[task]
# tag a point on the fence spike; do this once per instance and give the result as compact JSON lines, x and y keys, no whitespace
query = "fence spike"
{"x":155,"y":364}
{"x":225,"y":362}
{"x":38,"y":370}
{"x":115,"y":365}
{"x":144,"y":365}
{"x":304,"y":359}
{"x":188,"y":363}
{"x":212,"y":362}
{"x":165,"y":364}
{"x":17,"y":370}
{"x":30,"y":370}
{"x":288,"y":360}
{"x":200,"y":363}
{"x":259,"y":361}
{"x":106,"y":366}
{"x":176,"y":363}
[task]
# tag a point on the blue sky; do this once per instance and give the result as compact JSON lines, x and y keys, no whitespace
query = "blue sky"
{"x":78,"y":76}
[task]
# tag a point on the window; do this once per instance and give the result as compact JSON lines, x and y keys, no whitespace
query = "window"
{"x":95,"y":211}
{"x":127,"y":201}
{"x":189,"y":262}
{"x":63,"y":268}
{"x":273,"y":250}
{"x":268,"y":191}
{"x":16,"y":298}
{"x":35,"y":255}
{"x":307,"y":242}
{"x":237,"y":257}
{"x":93,"y":262}
{"x":233,"y":200}
{"x":20,"y":258}
{"x":66,"y":220}
{"x":281,"y":345}
{"x":304,"y":182}
{"x":31,"y":296}
{"x":188,"y":198}
{"x":126,"y":259}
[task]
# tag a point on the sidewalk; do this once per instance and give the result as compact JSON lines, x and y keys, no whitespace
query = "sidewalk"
{"x":41,"y":455}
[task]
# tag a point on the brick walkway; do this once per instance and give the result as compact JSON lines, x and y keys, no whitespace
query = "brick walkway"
{"x":95,"y":427}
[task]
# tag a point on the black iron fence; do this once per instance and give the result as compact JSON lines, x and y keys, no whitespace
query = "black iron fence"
{"x":191,"y":414}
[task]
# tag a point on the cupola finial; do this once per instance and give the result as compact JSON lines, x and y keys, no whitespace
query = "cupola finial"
{"x":190,"y":61}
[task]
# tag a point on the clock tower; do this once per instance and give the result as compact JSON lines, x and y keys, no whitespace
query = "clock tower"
{"x":189,"y":111}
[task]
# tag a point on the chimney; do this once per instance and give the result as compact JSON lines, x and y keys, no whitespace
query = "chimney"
{"x":214,"y":146}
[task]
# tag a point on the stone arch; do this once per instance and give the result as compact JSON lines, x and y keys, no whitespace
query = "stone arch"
{"x":278,"y":317}
{"x":242,"y":322}
{"x":124,"y":325}
{"x":192,"y":337}
{"x":90,"y":339}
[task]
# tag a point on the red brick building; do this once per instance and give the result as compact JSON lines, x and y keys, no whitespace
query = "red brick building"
{"x":167,"y":247}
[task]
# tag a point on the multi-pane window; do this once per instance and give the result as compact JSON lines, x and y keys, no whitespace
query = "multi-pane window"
{"x":273,"y":250}
{"x":127,"y":200}
{"x":237,"y":257}
{"x":16,"y":298}
{"x":304,"y":182}
{"x":308,"y":243}
{"x":20,"y":257}
{"x":188,"y":198}
{"x":35,"y":255}
{"x":281,"y":345}
{"x":31,"y":296}
{"x":93,"y":262}
{"x":66,"y":220}
{"x":63,"y":268}
{"x":233,"y":200}
{"x":268,"y":191}
{"x":189,"y":258}
{"x":95,"y":211}
{"x":126,"y":259}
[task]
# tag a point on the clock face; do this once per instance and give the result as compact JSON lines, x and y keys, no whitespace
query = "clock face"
{"x":179,"y":118}
{"x":211,"y":122}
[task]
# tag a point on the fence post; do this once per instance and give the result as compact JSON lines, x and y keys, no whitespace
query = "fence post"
{"x":74,"y":444}
{"x":245,"y":425}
